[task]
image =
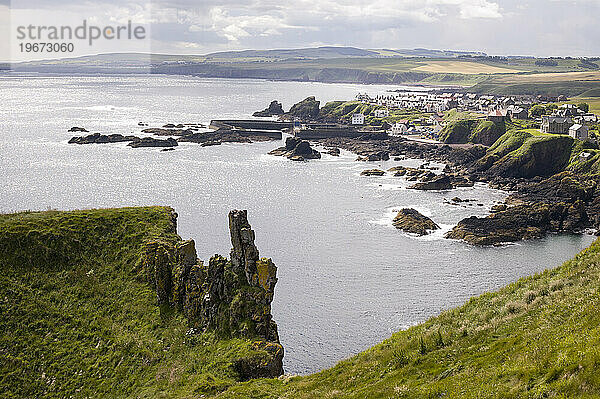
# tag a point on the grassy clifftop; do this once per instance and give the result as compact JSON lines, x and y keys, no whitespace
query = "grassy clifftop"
{"x":80,"y":320}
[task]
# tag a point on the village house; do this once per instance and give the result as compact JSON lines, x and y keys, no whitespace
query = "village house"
{"x":555,"y":124}
{"x":579,"y":132}
{"x":399,"y":128}
{"x":382,"y":113}
{"x":498,"y":115}
{"x":586,"y":119}
{"x":435,"y":120}
{"x":568,"y":111}
{"x":516,"y":112}
{"x":358,"y":119}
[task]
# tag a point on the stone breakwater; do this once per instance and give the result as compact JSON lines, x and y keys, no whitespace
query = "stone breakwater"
{"x":230,"y":297}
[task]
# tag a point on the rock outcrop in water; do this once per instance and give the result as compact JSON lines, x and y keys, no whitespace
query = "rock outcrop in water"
{"x":411,"y":221}
{"x":230,"y":297}
{"x":153,"y":142}
{"x":521,"y":222}
{"x":372,"y":172}
{"x":296,"y":150}
{"x":441,"y":182}
{"x":274,"y":109}
{"x":97,"y":138}
{"x":563,"y":203}
{"x":78,"y":129}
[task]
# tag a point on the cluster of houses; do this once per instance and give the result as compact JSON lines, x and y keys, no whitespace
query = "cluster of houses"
{"x":436,"y":102}
{"x":569,"y":119}
{"x":422,"y":101}
{"x":566,"y":119}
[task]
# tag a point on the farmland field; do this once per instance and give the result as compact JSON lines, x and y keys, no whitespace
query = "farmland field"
{"x":462,"y":67}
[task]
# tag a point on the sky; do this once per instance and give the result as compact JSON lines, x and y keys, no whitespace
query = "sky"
{"x":507,"y":27}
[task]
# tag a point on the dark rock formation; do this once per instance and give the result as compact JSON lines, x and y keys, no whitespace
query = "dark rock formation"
{"x":210,"y":143}
{"x":333,"y":151}
{"x":153,"y":142}
{"x":230,"y":297}
{"x":171,"y":131}
{"x":78,"y":129}
{"x":440,"y":182}
{"x":411,"y":221}
{"x":98,"y":138}
{"x":273,"y":109}
{"x":372,"y":172}
{"x":227,"y":135}
{"x":521,"y":222}
{"x":307,"y":109}
{"x":296,"y":150}
{"x":375,"y":156}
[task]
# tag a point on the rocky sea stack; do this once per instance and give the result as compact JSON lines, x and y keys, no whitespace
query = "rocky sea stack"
{"x":229,"y":297}
{"x":411,"y":221}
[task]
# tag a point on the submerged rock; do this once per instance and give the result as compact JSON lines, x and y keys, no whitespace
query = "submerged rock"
{"x":375,"y":156}
{"x":78,"y":129}
{"x":411,"y":221}
{"x":333,"y":151}
{"x":168,"y":130}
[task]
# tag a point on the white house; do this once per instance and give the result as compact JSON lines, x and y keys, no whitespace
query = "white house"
{"x":382,"y":113}
{"x":358,"y":119}
{"x":398,"y":128}
{"x":579,"y":132}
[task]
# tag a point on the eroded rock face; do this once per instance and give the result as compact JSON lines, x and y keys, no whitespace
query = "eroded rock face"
{"x":411,"y":221}
{"x":230,"y":297}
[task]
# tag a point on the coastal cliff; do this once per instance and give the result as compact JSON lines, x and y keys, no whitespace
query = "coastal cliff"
{"x":108,"y":302}
{"x":230,"y":297}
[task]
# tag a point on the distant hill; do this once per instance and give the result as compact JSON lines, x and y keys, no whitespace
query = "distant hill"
{"x":302,"y":53}
{"x":331,"y":64}
{"x":337,"y":52}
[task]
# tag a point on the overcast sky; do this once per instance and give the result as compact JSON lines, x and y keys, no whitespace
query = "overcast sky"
{"x":511,"y":27}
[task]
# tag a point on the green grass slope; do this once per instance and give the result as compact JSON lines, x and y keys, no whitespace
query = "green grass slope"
{"x":461,"y":129}
{"x":79,"y":320}
{"x":536,"y":338}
